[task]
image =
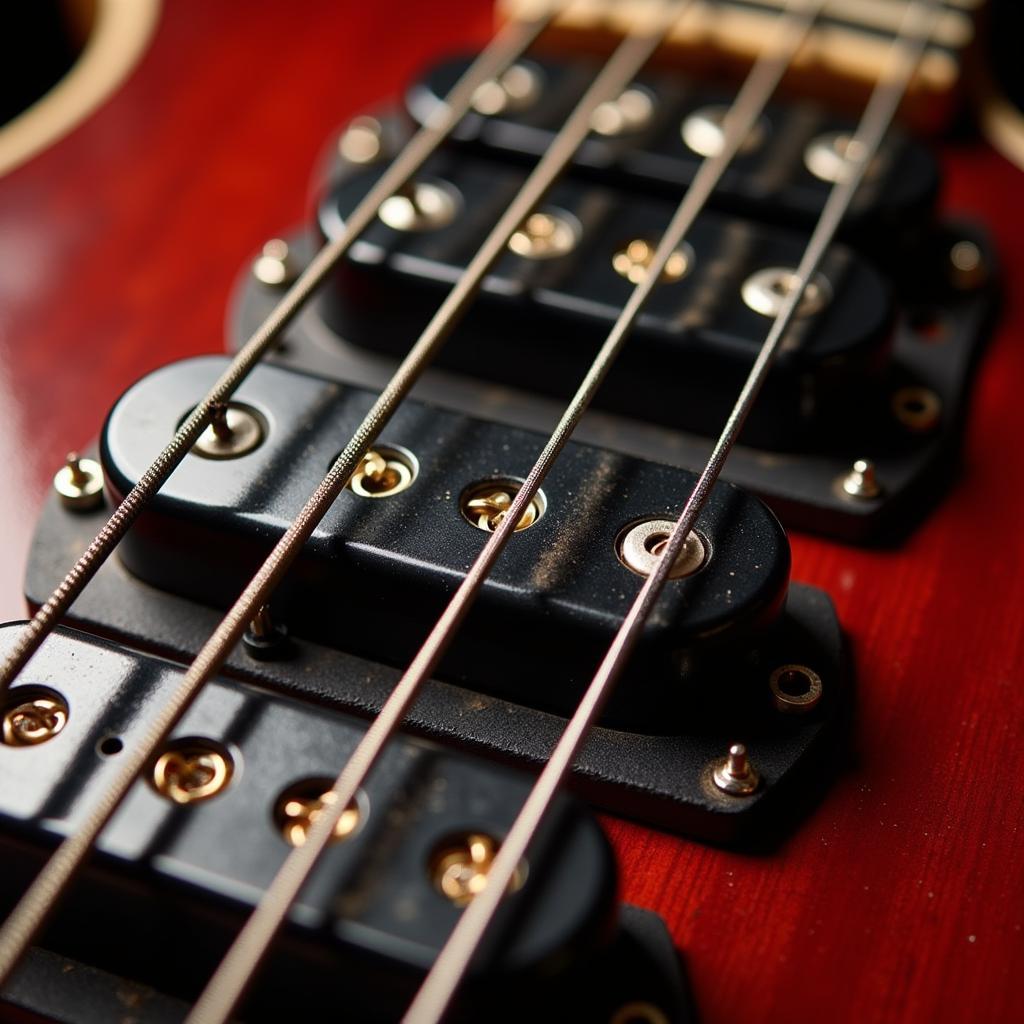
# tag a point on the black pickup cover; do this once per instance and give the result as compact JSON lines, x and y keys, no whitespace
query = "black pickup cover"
{"x":170,"y":879}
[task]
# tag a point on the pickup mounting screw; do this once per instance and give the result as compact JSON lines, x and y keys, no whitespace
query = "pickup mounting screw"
{"x":384,"y":471}
{"x":459,"y":866}
{"x":485,"y":504}
{"x":79,"y":483}
{"x":830,"y":157}
{"x":632,"y":261}
{"x":234,"y":430}
{"x":513,"y":90}
{"x":544,"y":236}
{"x":861,"y":481}
{"x":33,"y":716}
{"x":300,"y":805}
{"x":734,"y":774}
{"x":275,"y":266}
{"x":191,"y":770}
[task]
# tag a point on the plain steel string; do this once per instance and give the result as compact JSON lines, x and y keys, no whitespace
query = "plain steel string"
{"x":503,"y":50}
{"x":441,"y":983}
{"x":252,"y":943}
{"x":33,"y":907}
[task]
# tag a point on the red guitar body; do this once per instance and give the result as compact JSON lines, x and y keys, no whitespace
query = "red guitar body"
{"x":901,"y":897}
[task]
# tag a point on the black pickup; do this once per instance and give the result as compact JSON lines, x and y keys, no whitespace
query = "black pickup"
{"x":199,"y":839}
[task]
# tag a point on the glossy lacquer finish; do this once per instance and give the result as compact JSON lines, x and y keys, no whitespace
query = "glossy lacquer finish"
{"x":901,"y":897}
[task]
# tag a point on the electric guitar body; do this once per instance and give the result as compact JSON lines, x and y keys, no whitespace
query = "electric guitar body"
{"x":896,"y":893}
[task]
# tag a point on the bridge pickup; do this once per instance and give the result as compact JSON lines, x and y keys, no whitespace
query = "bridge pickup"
{"x":543,"y":318}
{"x":781,"y":175}
{"x":190,"y":851}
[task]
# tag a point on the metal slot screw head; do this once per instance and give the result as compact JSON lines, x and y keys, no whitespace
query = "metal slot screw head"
{"x":766,"y":290}
{"x":967,"y":268}
{"x":33,"y":716}
{"x":631,"y":112}
{"x":734,"y":774}
{"x":703,"y":131}
{"x":459,"y":866}
{"x":830,"y":157}
{"x":640,"y":545}
{"x":639,"y":1013}
{"x":362,"y":141}
{"x":634,"y":259}
{"x":234,"y":431}
{"x":275,"y":266}
{"x":917,"y":408}
{"x":544,"y":236}
{"x":384,"y":472}
{"x":79,"y":483}
{"x":484,"y":505}
{"x":419,"y":206}
{"x":860,"y":482}
{"x":796,"y":689}
{"x":191,"y":770}
{"x":512,"y":91}
{"x":301,"y":804}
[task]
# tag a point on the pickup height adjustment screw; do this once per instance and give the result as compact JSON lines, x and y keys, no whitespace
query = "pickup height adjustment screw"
{"x":631,"y":112}
{"x":275,"y":266}
{"x":34,"y":719}
{"x":234,"y":431}
{"x":79,"y":483}
{"x":861,"y":481}
{"x":266,"y":640}
{"x":485,"y":504}
{"x":734,"y":774}
{"x":192,"y":770}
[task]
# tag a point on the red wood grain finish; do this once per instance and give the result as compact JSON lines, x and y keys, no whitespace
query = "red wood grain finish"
{"x":902,"y":896}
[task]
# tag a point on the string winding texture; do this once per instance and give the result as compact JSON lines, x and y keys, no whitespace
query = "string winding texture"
{"x":450,"y":967}
{"x":253,"y":941}
{"x":509,"y":44}
{"x":31,"y":911}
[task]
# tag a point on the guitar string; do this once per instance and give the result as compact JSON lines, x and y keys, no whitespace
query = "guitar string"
{"x":38,"y":900}
{"x":506,"y":47}
{"x":449,"y":968}
{"x":228,"y":983}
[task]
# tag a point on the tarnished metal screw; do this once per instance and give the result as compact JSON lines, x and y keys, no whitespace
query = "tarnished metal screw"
{"x":234,"y":431}
{"x":735,"y":774}
{"x":459,"y":867}
{"x":79,"y":483}
{"x":861,"y":481}
{"x":192,"y":770}
{"x":543,"y":236}
{"x":300,"y":805}
{"x":633,"y":261}
{"x":485,"y":506}
{"x":34,"y":719}
{"x":275,"y":266}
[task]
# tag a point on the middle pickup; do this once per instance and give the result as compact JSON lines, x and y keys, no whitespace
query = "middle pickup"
{"x":550,"y":301}
{"x":379,"y":569}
